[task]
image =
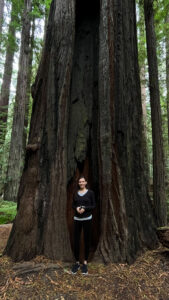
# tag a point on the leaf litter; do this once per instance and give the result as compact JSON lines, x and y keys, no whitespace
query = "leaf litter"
{"x":43,"y":279}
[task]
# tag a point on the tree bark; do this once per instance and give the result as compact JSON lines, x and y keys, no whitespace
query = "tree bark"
{"x":86,"y":117}
{"x":17,"y":137}
{"x":158,"y":152}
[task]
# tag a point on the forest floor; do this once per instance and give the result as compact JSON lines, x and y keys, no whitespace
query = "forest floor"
{"x":43,"y":279}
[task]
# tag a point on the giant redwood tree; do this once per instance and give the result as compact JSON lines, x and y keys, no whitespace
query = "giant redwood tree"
{"x":86,"y":118}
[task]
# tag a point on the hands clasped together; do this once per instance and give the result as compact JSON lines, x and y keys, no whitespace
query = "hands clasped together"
{"x":80,"y":210}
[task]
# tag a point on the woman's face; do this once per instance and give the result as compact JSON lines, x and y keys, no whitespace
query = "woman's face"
{"x":82,"y":183}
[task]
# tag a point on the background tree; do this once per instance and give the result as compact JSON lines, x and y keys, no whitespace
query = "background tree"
{"x":38,"y":14}
{"x":16,"y":145}
{"x":86,"y":117}
{"x":167,"y":66}
{"x":143,"y":80}
{"x":158,"y":155}
{"x":161,"y":12}
{"x":1,"y":17}
{"x":29,"y":78}
{"x":7,"y":75}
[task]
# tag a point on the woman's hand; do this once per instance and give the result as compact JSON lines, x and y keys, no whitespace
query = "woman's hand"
{"x":80,"y":210}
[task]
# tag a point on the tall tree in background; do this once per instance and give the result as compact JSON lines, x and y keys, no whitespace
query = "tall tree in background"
{"x":29,"y":78}
{"x":142,"y":66}
{"x":16,"y":146}
{"x":1,"y":17}
{"x":86,"y":117}
{"x":47,"y":7}
{"x":161,"y":8}
{"x":158,"y":155}
{"x":167,"y":65}
{"x":7,"y":75}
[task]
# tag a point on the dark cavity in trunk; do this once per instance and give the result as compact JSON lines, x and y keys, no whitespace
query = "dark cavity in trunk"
{"x":83,"y":111}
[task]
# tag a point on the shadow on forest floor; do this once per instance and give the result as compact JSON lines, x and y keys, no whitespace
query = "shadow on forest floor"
{"x":165,"y":254}
{"x":41,"y":278}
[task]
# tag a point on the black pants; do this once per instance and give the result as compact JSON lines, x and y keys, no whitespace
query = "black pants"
{"x":78,"y":225}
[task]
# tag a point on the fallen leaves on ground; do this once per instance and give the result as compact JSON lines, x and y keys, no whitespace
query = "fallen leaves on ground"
{"x":147,"y":278}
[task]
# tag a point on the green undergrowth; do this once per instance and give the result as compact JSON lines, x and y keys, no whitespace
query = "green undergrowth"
{"x":7,"y":211}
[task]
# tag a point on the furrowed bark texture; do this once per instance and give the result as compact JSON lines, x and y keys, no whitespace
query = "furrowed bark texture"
{"x":114,"y":232}
{"x":87,"y":120}
{"x":127,"y":197}
{"x":41,"y":219}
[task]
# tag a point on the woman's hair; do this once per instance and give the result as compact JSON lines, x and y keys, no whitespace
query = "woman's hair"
{"x":80,"y":177}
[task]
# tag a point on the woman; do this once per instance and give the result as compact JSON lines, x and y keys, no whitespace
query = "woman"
{"x":83,"y":204}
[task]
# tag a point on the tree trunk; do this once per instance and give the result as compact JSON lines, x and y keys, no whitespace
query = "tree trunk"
{"x":86,"y":117}
{"x":6,"y":81}
{"x":143,"y":97}
{"x":167,"y":69}
{"x":17,"y":137}
{"x":142,"y":65}
{"x":29,"y":77}
{"x":1,"y":17}
{"x":158,"y":152}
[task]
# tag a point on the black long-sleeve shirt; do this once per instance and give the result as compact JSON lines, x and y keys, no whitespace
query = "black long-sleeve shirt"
{"x":87,"y":201}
